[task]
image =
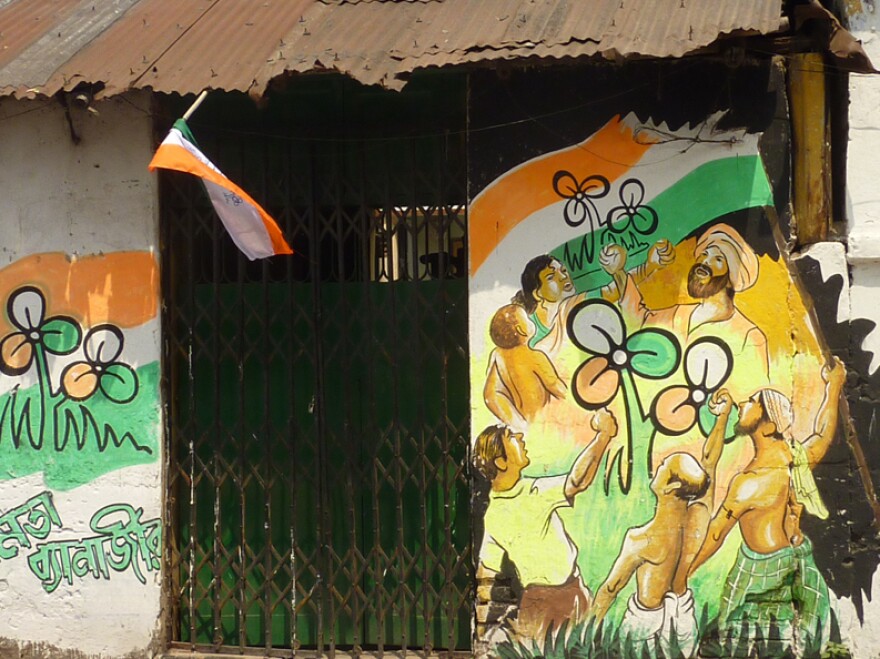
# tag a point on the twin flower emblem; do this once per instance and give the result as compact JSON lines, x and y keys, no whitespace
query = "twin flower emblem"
{"x":597,"y":328}
{"x":59,"y":335}
{"x":631,"y":213}
{"x":37,"y":335}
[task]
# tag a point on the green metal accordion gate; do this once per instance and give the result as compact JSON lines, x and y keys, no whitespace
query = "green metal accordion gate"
{"x":317,"y":413}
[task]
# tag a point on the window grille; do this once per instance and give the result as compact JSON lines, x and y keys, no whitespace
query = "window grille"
{"x":318,"y":407}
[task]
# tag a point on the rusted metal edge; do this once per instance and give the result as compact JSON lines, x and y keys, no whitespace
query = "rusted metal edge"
{"x":846,"y":51}
{"x":395,"y":77}
{"x":840,"y":42}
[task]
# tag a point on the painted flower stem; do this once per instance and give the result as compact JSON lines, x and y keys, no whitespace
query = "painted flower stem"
{"x":45,"y":388}
{"x":641,"y":435}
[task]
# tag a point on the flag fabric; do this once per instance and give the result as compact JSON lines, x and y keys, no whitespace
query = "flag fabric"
{"x":252,"y":229}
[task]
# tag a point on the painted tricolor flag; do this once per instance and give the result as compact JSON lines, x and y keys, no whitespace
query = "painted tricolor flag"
{"x":646,"y":169}
{"x":251,"y":228}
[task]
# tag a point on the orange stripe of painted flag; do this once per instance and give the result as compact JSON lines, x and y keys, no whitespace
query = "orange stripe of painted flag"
{"x":507,"y":201}
{"x":119,"y":287}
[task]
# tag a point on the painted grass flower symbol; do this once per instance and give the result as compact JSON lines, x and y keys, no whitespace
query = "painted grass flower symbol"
{"x":580,"y":197}
{"x":596,"y":327}
{"x":101,"y":369}
{"x":59,"y":335}
{"x":708,"y":363}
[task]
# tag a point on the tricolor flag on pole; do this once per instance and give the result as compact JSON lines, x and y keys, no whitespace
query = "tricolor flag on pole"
{"x":251,"y":228}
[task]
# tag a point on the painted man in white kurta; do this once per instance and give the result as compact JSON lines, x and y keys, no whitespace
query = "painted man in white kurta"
{"x":522,"y":521}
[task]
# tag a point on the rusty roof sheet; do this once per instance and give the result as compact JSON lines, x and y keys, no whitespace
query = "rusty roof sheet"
{"x":174,"y":46}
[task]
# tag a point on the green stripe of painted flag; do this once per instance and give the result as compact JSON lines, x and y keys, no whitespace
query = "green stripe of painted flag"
{"x":709,"y":191}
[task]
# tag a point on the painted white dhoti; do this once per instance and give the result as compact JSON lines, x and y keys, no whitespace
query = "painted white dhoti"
{"x":656,"y":626}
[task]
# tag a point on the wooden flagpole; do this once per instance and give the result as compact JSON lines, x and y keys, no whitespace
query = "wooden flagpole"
{"x":195,"y":105}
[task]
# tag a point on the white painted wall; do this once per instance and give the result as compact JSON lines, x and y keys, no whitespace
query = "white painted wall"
{"x":863,"y":256}
{"x":863,"y":189}
{"x":92,"y":198}
{"x":76,"y":198}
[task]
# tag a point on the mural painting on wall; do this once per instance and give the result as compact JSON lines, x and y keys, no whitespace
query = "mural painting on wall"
{"x":122,"y":542}
{"x":650,"y":401}
{"x":78,"y":396}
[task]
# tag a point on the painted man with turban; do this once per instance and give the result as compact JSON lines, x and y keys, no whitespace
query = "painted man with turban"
{"x":724,"y":265}
{"x":774,"y":586}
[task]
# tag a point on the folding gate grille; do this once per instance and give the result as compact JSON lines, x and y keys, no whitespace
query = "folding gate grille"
{"x":318,"y":403}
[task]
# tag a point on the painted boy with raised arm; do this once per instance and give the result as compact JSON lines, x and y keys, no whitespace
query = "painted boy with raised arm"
{"x":522,"y":521}
{"x":661,"y":551}
{"x":520,"y":380}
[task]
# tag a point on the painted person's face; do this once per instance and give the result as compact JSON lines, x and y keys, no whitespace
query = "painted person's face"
{"x":517,"y":455}
{"x":751,"y":413}
{"x":555,"y":283}
{"x":661,"y":476}
{"x":709,"y":274}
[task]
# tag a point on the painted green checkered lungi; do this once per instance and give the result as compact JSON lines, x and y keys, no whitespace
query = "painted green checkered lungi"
{"x":784,"y":587}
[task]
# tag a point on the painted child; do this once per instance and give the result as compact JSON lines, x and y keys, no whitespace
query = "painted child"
{"x":660,"y":552}
{"x":520,"y":380}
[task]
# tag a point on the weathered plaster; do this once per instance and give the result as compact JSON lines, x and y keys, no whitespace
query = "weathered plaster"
{"x":12,"y":650}
{"x":863,"y":193}
{"x":84,"y":199}
{"x":862,"y":634}
{"x":831,"y":258}
{"x":859,"y":616}
{"x":76,"y":198}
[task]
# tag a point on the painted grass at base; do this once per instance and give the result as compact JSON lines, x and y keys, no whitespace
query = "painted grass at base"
{"x":587,"y":523}
{"x":81,"y":441}
{"x":588,"y":641}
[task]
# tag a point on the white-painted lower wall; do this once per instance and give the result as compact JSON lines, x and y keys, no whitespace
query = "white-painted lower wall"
{"x":90,"y":202}
{"x":863,"y":191}
{"x":863,"y":256}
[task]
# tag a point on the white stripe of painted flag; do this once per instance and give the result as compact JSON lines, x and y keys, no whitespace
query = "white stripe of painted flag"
{"x":252,"y":229}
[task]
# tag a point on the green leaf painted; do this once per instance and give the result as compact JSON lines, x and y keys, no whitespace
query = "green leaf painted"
{"x":653,"y":354}
{"x":119,"y":383}
{"x":707,"y":421}
{"x":730,"y":431}
{"x":706,"y":418}
{"x":61,"y":336}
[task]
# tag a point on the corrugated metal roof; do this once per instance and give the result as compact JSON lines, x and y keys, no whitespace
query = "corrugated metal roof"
{"x":187,"y":46}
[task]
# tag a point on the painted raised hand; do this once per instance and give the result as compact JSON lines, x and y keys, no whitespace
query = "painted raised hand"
{"x":612,"y":258}
{"x":835,"y":374}
{"x":661,"y":254}
{"x":720,"y":403}
{"x":604,"y":422}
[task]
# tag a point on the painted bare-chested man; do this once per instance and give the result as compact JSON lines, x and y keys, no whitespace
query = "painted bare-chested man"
{"x":660,"y":552}
{"x":775,"y":580}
